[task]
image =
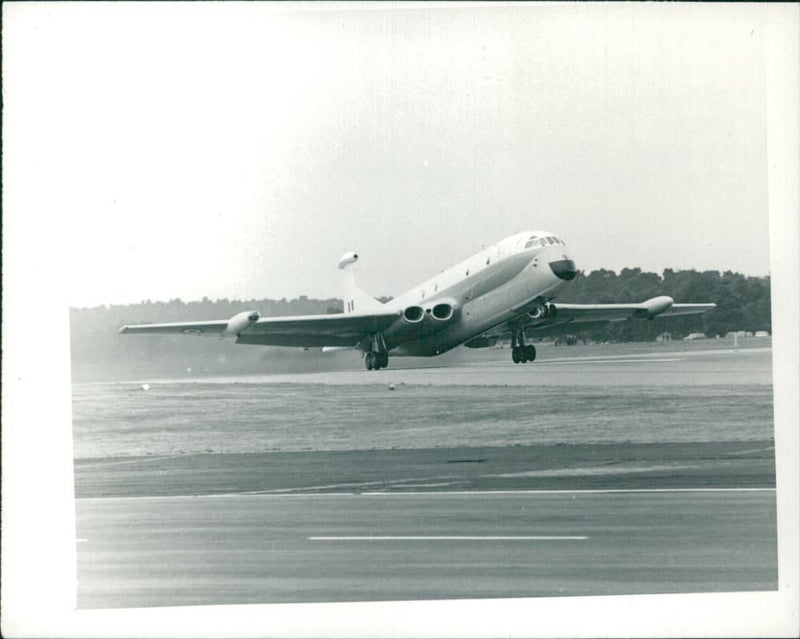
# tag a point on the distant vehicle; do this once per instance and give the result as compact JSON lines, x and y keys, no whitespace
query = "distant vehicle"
{"x":505,"y":290}
{"x":693,"y":336}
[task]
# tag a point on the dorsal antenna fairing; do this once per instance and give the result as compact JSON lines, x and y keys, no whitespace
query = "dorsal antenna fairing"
{"x":355,"y":300}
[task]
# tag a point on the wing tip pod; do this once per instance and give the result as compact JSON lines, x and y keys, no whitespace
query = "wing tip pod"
{"x":664,"y":305}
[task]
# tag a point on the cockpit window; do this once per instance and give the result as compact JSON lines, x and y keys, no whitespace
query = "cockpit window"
{"x":531,"y":241}
{"x":550,"y":239}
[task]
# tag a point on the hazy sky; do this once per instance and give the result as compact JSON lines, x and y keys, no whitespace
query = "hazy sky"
{"x":237,"y":150}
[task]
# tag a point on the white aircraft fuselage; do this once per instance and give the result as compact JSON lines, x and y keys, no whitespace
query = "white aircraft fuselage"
{"x":525,"y":270}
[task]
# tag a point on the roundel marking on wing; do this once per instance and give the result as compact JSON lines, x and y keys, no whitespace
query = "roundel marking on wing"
{"x":191,"y":331}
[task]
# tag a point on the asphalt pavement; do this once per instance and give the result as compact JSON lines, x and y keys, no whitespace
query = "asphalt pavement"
{"x":233,"y":549}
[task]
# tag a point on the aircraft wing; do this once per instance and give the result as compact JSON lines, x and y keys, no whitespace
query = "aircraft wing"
{"x":336,"y":329}
{"x":584,"y":316}
{"x":618,"y":312}
{"x":187,"y":328}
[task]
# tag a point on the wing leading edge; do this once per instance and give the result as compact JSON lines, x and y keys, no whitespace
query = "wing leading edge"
{"x":337,"y":329}
{"x":584,"y":315}
{"x":656,"y":307}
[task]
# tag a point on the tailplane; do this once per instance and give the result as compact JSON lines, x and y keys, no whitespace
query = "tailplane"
{"x":355,"y":300}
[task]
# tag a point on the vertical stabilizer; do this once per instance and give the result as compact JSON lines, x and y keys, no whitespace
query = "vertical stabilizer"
{"x":355,"y":300}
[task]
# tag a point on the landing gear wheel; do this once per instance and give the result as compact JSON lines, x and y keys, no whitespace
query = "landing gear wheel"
{"x":523,"y":354}
{"x":376,"y":355}
{"x":376,"y":361}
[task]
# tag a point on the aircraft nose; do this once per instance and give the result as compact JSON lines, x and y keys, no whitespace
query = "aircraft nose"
{"x":564,"y":269}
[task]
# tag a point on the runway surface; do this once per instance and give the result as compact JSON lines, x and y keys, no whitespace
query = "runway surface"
{"x":333,"y":547}
{"x":631,"y":474}
{"x":319,"y":526}
{"x":544,"y":467}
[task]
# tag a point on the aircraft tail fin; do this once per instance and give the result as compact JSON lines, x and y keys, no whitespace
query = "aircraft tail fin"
{"x":355,"y":300}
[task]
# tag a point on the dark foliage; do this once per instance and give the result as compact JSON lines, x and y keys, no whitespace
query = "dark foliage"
{"x":743,"y":303}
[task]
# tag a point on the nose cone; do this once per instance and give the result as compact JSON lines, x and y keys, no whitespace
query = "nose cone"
{"x":564,"y":269}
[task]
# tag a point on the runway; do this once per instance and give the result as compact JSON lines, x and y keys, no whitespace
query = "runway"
{"x":616,"y":474}
{"x":318,"y":526}
{"x":169,"y":551}
{"x":622,"y":466}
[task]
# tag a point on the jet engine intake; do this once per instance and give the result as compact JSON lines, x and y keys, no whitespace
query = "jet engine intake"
{"x":413,"y":314}
{"x":434,"y":314}
{"x":240,"y":323}
{"x":442,"y":311}
{"x":543,"y":311}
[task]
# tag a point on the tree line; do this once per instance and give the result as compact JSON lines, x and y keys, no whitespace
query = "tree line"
{"x":743,"y":302}
{"x":100,"y":353}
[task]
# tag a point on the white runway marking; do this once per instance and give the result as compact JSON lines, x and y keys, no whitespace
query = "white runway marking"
{"x":436,"y":493}
{"x":586,"y":471}
{"x":394,"y":483}
{"x":137,"y":460}
{"x":751,"y":450}
{"x":453,"y":538}
{"x":568,"y":491}
{"x":577,"y":360}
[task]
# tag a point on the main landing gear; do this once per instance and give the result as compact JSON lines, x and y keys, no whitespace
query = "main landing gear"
{"x":521,"y":352}
{"x":378,"y":355}
{"x":376,"y":361}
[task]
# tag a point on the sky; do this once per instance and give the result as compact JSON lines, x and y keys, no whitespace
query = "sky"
{"x":237,"y":150}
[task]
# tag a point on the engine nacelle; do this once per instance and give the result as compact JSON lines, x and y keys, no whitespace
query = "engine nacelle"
{"x":436,"y":312}
{"x":441,"y":310}
{"x":240,"y":322}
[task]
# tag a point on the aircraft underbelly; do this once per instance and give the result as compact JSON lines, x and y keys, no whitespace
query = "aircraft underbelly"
{"x":481,"y":314}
